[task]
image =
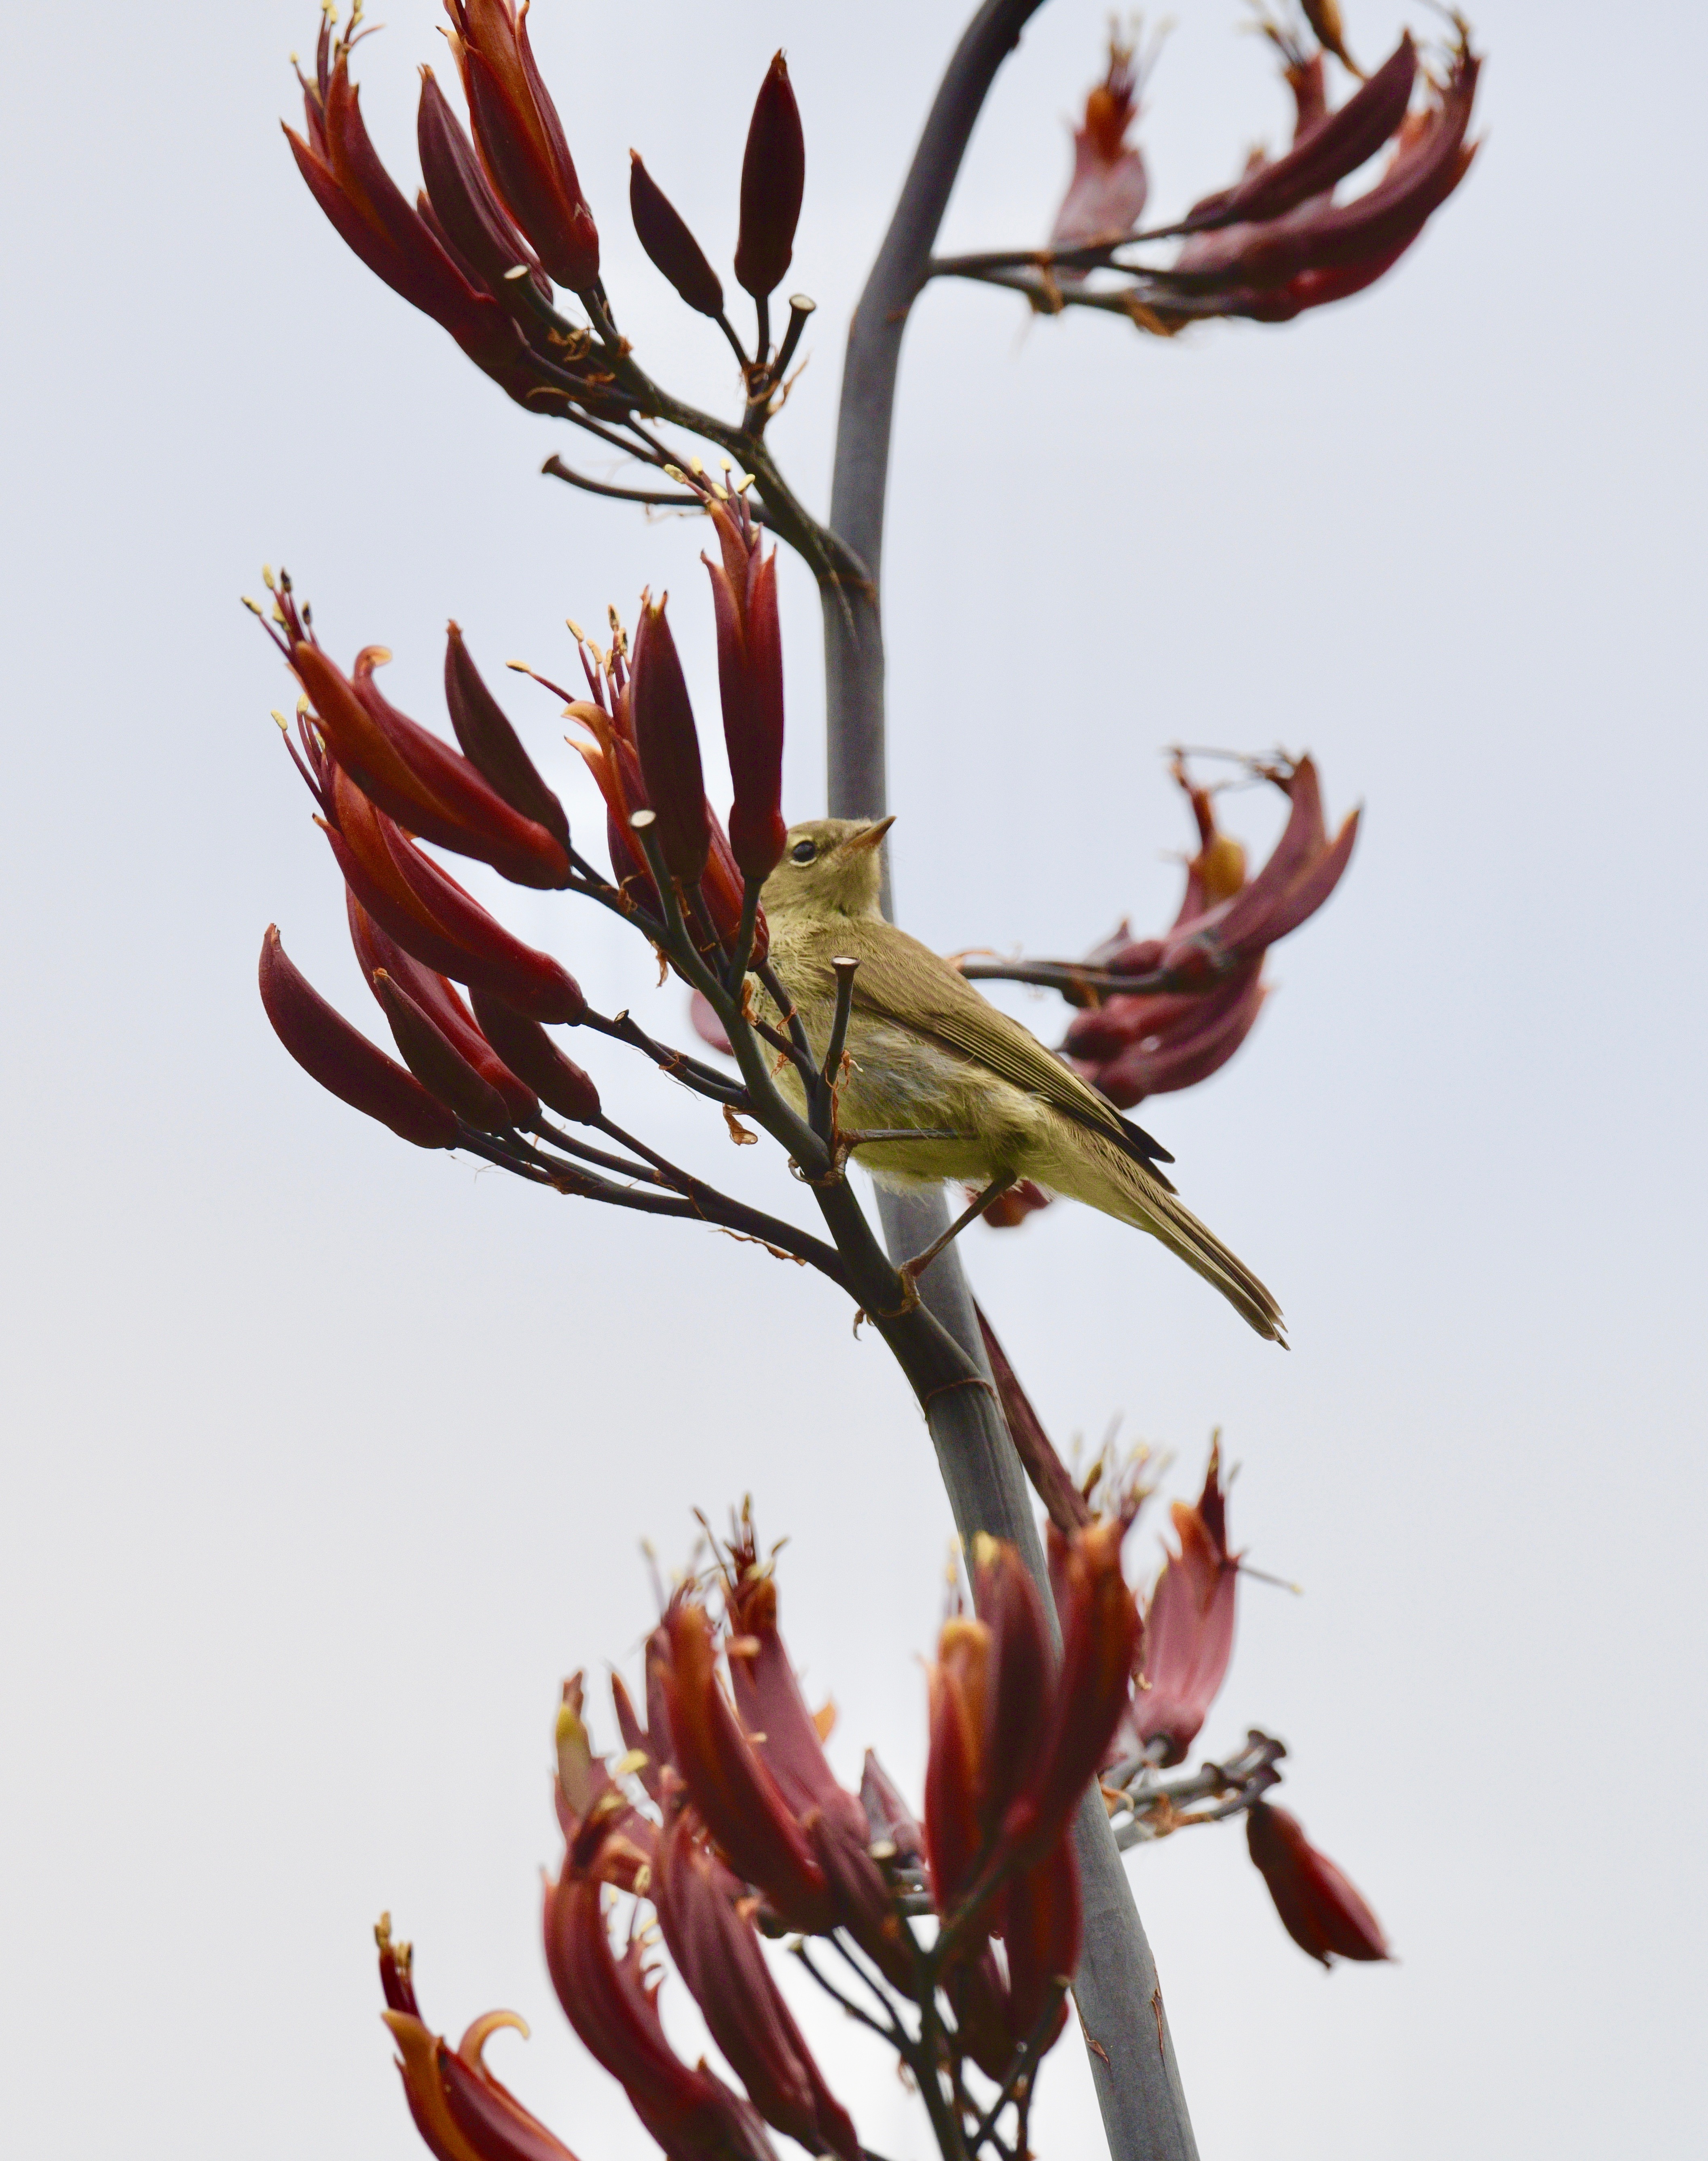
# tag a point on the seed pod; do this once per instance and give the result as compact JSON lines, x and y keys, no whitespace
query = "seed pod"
{"x":773,"y":178}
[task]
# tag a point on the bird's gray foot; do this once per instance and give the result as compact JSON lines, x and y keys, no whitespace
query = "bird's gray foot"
{"x":910,"y":1271}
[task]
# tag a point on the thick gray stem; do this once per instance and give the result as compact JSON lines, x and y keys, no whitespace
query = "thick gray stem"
{"x":1120,"y":2003}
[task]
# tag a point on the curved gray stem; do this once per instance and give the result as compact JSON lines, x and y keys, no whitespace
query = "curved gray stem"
{"x":1120,"y":2002}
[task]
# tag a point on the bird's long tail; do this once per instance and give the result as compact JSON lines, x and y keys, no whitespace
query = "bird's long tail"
{"x":1103,"y":1178}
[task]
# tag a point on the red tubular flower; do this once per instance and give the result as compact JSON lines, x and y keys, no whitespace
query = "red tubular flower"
{"x":954,"y":1764}
{"x":1106,"y":197}
{"x":437,"y":999}
{"x":671,"y":246}
{"x":492,"y":746}
{"x":717,"y":1953}
{"x":1154,"y":1042}
{"x":417,"y":778}
{"x":461,"y":2110}
{"x":1281,"y":244}
{"x":612,"y":2004}
{"x":1323,"y":153}
{"x":437,"y":1063}
{"x":1319,"y":1909}
{"x":410,"y":251}
{"x":750,"y":685}
{"x":343,"y":1060}
{"x":1189,"y":1624}
{"x":668,"y":746}
{"x":527,"y":1048}
{"x":430,"y":915}
{"x":773,"y":179}
{"x":1100,"y":1635}
{"x":521,"y":139}
{"x":732,"y":1787}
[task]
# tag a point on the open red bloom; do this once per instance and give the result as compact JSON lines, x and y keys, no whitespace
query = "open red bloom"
{"x":461,"y":2110}
{"x":1153,"y":1043}
{"x":1188,"y":1625}
{"x":1106,"y":196}
{"x":1319,"y":1909}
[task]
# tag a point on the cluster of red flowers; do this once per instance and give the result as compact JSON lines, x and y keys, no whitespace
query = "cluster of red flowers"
{"x":501,"y":219}
{"x":724,"y":1816}
{"x":382,"y":783}
{"x":1278,"y":241}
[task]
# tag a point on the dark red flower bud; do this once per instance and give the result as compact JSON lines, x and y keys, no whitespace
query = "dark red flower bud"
{"x":492,"y":745}
{"x":668,"y":746}
{"x":717,"y":1953}
{"x":343,"y":1060}
{"x":378,"y":952}
{"x":669,"y":244}
{"x":529,"y":1052}
{"x":693,"y":2115}
{"x":461,"y":205}
{"x":773,"y":178}
{"x":1319,"y":1909}
{"x":521,"y":139}
{"x":436,"y":1062}
{"x":432,"y":916}
{"x":750,"y":687}
{"x":1337,"y":145}
{"x":1189,"y":1624}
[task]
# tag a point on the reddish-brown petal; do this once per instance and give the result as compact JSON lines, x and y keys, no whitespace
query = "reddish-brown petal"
{"x":417,"y":2060}
{"x":750,"y":686}
{"x":773,"y":178}
{"x":671,"y":247}
{"x":954,"y":1765}
{"x":492,"y":744}
{"x":1189,"y":1624}
{"x":343,"y":1060}
{"x":1337,"y":146}
{"x":527,"y":1048}
{"x":521,"y":141}
{"x":1021,"y":1676}
{"x":738,"y":1798}
{"x":1040,"y":1931}
{"x":859,"y":1896}
{"x":668,"y":746}
{"x":1100,"y":1631}
{"x":717,"y":1954}
{"x":487,"y":2114}
{"x":377,"y":951}
{"x":1198,"y":1044}
{"x":1319,"y":1909}
{"x":473,"y":219}
{"x":693,"y":2115}
{"x":436,"y":1062}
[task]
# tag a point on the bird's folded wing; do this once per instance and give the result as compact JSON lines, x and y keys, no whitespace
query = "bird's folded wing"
{"x":903,"y":981}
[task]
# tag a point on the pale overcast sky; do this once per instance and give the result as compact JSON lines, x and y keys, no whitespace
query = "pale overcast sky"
{"x":327,"y":1459}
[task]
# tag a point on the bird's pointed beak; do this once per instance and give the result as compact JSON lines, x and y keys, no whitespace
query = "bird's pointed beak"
{"x":868,"y":837}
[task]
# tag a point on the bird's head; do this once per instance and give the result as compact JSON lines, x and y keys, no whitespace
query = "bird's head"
{"x":829,"y":867}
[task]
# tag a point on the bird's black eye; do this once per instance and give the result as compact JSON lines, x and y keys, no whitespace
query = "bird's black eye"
{"x":803,"y":851}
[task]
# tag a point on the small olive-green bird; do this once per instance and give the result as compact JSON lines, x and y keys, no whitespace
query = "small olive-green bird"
{"x":928,"y":1054}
